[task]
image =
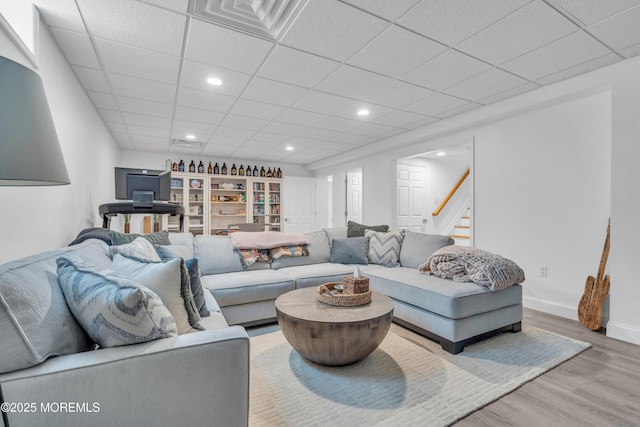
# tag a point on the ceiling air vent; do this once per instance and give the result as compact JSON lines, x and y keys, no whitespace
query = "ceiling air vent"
{"x":183,"y":143}
{"x":263,"y":18}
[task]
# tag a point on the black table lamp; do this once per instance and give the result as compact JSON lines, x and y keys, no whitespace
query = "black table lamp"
{"x":29,"y":150}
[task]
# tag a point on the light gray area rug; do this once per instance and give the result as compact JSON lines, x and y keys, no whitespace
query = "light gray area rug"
{"x":408,"y":381}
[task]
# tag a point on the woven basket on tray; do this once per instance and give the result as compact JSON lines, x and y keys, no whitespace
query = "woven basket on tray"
{"x":329,"y":295}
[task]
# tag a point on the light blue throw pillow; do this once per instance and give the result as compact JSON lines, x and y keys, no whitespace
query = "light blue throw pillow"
{"x":353,"y":250}
{"x":113,"y":310}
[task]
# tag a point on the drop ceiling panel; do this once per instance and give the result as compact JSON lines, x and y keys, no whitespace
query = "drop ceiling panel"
{"x":396,"y":51}
{"x":144,"y":120}
{"x":630,"y":51}
{"x":397,"y":94}
{"x":218,"y":150}
{"x":61,"y":13}
{"x":531,"y":27}
{"x":620,"y":31}
{"x":296,"y":67}
{"x":198,"y":115}
{"x":459,"y":110}
{"x":332,"y":29}
{"x":569,"y":51}
{"x":580,"y":69}
{"x":177,"y":5}
{"x":371,"y":129}
{"x":136,"y":62}
{"x":352,"y":82}
{"x":211,"y":44}
{"x":92,"y":79}
{"x":201,"y":131}
{"x":399,"y":118}
{"x":204,"y":100}
{"x":148,"y":131}
{"x":324,"y":103}
{"x":445,"y":70}
{"x":375,"y":111}
{"x":194,"y":75}
{"x":349,"y":138}
{"x":235,"y":133}
{"x":509,"y":93}
{"x":435,"y":104}
{"x":300,"y":117}
{"x":244,"y":122}
{"x":337,"y":124}
{"x":283,"y":128}
{"x":103,"y":100}
{"x":390,"y":10}
{"x":317,"y":133}
{"x":590,"y":12}
{"x":453,"y":21}
{"x":120,"y":20}
{"x":140,"y":88}
{"x":486,"y":84}
{"x":258,"y":110}
{"x":141,"y":106}
{"x":110,"y":115}
{"x":269,"y":91}
{"x":77,"y":48}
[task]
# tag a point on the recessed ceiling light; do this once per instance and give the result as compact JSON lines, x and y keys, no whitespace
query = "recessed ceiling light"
{"x":214,"y":81}
{"x":190,"y":136}
{"x":363,"y":112}
{"x":440,"y":153}
{"x":289,"y":148}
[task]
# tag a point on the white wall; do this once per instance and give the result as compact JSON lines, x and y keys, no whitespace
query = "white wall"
{"x":34,"y":219}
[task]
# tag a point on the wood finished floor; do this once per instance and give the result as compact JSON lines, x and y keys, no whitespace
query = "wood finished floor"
{"x":599,"y":387}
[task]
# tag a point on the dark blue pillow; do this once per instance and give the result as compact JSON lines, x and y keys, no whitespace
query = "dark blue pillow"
{"x":196,"y":287}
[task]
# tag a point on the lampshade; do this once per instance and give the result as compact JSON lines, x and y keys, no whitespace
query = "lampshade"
{"x":29,"y":150}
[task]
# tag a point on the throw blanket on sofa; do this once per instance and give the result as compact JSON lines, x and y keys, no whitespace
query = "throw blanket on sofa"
{"x":469,"y":264}
{"x":266,"y":239}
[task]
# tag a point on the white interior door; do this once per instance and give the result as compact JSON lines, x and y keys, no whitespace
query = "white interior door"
{"x":354,"y":197}
{"x":411,"y":197}
{"x":299,"y":207}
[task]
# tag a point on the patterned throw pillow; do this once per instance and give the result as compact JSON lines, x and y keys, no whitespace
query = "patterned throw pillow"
{"x":357,"y":230}
{"x":384,"y":248}
{"x":170,"y":280}
{"x":158,"y":238}
{"x":140,"y":248}
{"x":113,"y":310}
{"x":196,"y":287}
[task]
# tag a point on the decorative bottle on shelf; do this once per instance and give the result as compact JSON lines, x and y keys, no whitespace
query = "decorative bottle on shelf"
{"x":255,"y":171}
{"x":181,"y":166}
{"x":174,"y":167}
{"x":241,"y":171}
{"x":210,"y":169}
{"x":263,"y":173}
{"x":279,"y":173}
{"x":248,"y":170}
{"x":224,"y":168}
{"x":234,"y":169}
{"x":192,"y":166}
{"x":269,"y":173}
{"x":216,"y":169}
{"x":200,"y":167}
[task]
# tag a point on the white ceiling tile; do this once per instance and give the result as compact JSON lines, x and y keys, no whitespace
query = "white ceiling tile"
{"x":435,"y":104}
{"x":371,"y":129}
{"x":144,"y":120}
{"x":204,"y":100}
{"x":315,"y":133}
{"x":244,"y":153}
{"x":375,"y":111}
{"x":296,"y":67}
{"x":145,"y":89}
{"x":244,"y":122}
{"x":509,"y":93}
{"x":580,"y":69}
{"x":463,"y":109}
{"x":124,"y":144}
{"x":151,"y":147}
{"x":117,"y":127}
{"x":77,"y":48}
{"x":147,"y":131}
{"x":141,"y":106}
{"x":258,"y":110}
{"x":92,"y":79}
{"x":398,"y":118}
{"x":268,"y":138}
{"x":136,"y":62}
{"x":445,"y":70}
{"x":397,"y":94}
{"x":218,"y":150}
{"x":590,"y":12}
{"x":337,"y":124}
{"x":421,"y":123}
{"x":269,"y":91}
{"x":110,"y":115}
{"x":352,"y":82}
{"x":529,"y":28}
{"x":620,"y":31}
{"x":198,"y":115}
{"x":630,"y":51}
{"x":120,"y":20}
{"x":178,"y":5}
{"x":122,"y":136}
{"x":305,"y":118}
{"x":485,"y":84}
{"x":194,"y":75}
{"x":567,"y":52}
{"x":202,"y":131}
{"x":390,"y":10}
{"x":396,"y":51}
{"x":323,"y":103}
{"x":332,"y":29}
{"x":61,"y":13}
{"x":212,"y":44}
{"x":453,"y":21}
{"x":349,"y":138}
{"x":236,"y":133}
{"x":103,"y":100}
{"x":224,"y":144}
{"x":283,"y":128}
{"x":149,"y":140}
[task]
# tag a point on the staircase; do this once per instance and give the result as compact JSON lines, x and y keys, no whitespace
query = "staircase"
{"x":462,"y":230}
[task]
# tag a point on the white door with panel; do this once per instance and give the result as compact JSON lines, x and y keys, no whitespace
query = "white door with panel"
{"x":354,"y":197}
{"x":300,"y":209}
{"x":411,"y":190}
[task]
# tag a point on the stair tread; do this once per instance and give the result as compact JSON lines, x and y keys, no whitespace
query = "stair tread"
{"x":462,"y":226}
{"x":456,"y":236}
{"x":465,"y":217}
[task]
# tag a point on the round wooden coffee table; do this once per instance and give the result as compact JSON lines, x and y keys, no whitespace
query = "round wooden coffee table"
{"x":330,"y":335}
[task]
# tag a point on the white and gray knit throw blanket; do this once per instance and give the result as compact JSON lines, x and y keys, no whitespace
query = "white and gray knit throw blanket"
{"x":469,"y":264}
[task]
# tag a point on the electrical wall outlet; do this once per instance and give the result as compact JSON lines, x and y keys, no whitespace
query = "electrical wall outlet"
{"x":543,"y":271}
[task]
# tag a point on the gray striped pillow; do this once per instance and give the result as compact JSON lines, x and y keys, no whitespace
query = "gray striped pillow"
{"x":113,"y":310}
{"x":384,"y":248}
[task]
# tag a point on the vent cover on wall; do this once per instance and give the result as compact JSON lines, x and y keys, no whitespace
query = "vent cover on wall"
{"x":263,"y":18}
{"x":186,"y":144}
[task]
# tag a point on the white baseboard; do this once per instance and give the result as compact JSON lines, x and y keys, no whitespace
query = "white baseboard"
{"x":557,"y":309}
{"x":623,"y":332}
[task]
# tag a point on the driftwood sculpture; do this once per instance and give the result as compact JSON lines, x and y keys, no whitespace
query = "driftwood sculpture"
{"x":595,"y":291}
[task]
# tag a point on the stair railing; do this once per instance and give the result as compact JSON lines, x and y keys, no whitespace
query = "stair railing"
{"x":451,"y":193}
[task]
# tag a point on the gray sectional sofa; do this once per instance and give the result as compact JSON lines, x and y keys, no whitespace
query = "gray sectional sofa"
{"x":46,"y":357}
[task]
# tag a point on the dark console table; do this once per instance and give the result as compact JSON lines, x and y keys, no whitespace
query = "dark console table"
{"x":108,"y":210}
